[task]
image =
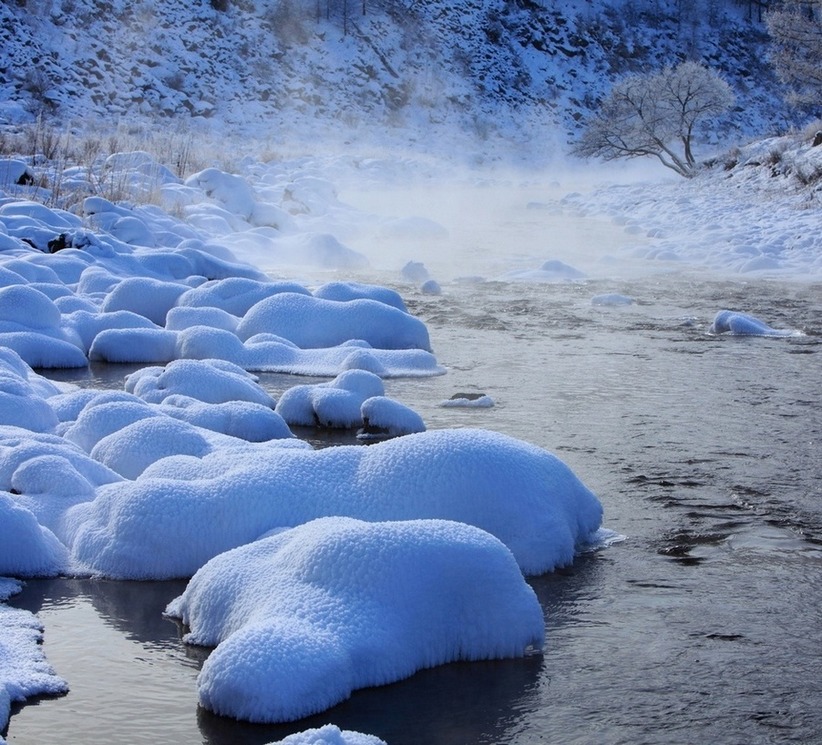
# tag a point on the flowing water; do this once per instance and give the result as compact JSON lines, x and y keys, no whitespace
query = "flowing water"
{"x":704,"y":625}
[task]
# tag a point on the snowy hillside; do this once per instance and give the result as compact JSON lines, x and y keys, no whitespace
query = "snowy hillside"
{"x":529,"y":70}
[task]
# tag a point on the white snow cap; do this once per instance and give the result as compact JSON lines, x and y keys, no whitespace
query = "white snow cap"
{"x":312,"y":322}
{"x":184,"y":510}
{"x":27,"y":549}
{"x":337,"y":403}
{"x":304,"y":617}
{"x":329,"y":734}
{"x":742,"y":324}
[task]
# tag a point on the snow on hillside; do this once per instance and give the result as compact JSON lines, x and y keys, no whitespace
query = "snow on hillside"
{"x":751,"y":212}
{"x":526,"y":71}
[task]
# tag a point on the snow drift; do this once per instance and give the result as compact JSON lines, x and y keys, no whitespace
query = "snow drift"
{"x":302,"y":618}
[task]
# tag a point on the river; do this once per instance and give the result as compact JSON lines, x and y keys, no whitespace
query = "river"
{"x":703,"y":625}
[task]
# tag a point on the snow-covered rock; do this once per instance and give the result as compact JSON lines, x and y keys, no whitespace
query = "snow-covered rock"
{"x":302,"y":618}
{"x":743,"y":324}
{"x":185,"y":510}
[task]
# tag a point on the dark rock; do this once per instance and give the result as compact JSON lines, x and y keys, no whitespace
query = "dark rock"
{"x":59,"y":243}
{"x":15,"y":172}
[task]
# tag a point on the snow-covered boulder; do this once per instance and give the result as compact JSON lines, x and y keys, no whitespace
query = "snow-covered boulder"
{"x":151,"y":298}
{"x":612,"y":299}
{"x":15,"y":172}
{"x":130,"y":450}
{"x":147,"y":345}
{"x":312,"y":322}
{"x":31,"y":325}
{"x":742,"y":324}
{"x":27,"y":549}
{"x":235,"y":295}
{"x":335,"y":404}
{"x":385,"y":417}
{"x":306,"y":616}
{"x":183,"y":512}
{"x":100,"y":418}
{"x":231,"y":191}
{"x":329,"y":734}
{"x":344,"y":291}
{"x":468,"y":401}
{"x":242,"y":419}
{"x":21,"y":406}
{"x":552,"y":270}
{"x":210,"y":381}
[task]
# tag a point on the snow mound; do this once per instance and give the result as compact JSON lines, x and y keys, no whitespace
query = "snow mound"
{"x":267,"y":352}
{"x":308,"y":249}
{"x":329,"y":734}
{"x":184,"y":511}
{"x":27,"y":549}
{"x":612,"y":299}
{"x":742,"y":324}
{"x":130,"y":450}
{"x":384,"y":417}
{"x":30,"y":324}
{"x":147,"y":297}
{"x":314,"y":323}
{"x":235,"y":295}
{"x":242,"y":419}
{"x":549,"y":271}
{"x":344,"y":291}
{"x":335,"y":404}
{"x":304,"y":617}
{"x":469,"y":401}
{"x":210,"y":381}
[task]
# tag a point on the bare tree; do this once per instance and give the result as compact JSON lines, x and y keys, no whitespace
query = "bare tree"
{"x":796,"y":52}
{"x":656,"y":114}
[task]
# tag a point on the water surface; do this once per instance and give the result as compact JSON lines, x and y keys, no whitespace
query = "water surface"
{"x":703,"y":626}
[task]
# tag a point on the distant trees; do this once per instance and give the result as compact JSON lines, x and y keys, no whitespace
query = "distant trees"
{"x":795,"y":27}
{"x":756,"y":8}
{"x":656,"y":114}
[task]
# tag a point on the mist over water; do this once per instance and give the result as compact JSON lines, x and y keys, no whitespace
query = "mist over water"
{"x":486,"y":229}
{"x":700,"y":627}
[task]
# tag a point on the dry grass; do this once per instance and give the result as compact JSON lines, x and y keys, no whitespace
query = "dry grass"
{"x":50,"y":153}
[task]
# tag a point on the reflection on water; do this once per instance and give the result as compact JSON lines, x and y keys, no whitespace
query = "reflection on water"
{"x":701,"y":627}
{"x":462,"y":702}
{"x":123,"y":661}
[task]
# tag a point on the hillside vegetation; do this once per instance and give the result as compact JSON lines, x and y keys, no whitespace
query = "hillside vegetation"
{"x":527,"y":69}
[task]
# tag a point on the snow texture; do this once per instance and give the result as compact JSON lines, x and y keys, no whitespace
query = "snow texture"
{"x":743,"y":324}
{"x":185,"y":510}
{"x":329,"y":734}
{"x":146,"y":288}
{"x":336,"y":404}
{"x":304,"y":617}
{"x":24,"y":671}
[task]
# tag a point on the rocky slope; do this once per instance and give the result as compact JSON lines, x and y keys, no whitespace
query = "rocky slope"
{"x":529,"y":70}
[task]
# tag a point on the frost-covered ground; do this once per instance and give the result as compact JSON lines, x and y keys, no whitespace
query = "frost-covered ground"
{"x":206,"y":280}
{"x":754,"y":212}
